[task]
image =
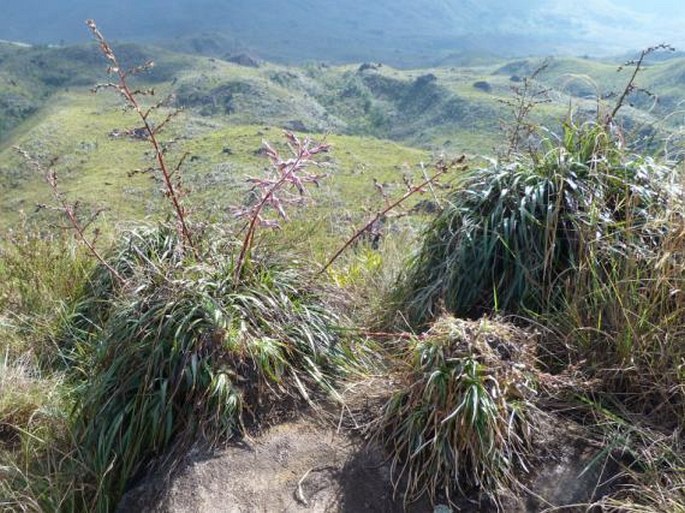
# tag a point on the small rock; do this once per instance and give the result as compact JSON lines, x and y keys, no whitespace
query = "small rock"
{"x":243,"y":60}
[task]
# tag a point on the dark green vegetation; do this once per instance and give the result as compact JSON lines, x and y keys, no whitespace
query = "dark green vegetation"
{"x":514,"y":235}
{"x":109,"y":365}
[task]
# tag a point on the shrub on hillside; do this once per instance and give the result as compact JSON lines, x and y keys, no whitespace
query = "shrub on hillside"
{"x":462,"y":418}
{"x":513,"y":235}
{"x":182,"y":349}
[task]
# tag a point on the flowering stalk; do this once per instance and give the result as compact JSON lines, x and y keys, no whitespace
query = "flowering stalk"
{"x":276,"y":191}
{"x":69,"y":210}
{"x":441,"y":167}
{"x":173,"y":189}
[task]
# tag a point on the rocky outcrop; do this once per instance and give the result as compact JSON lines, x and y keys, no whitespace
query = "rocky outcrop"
{"x":309,"y":467}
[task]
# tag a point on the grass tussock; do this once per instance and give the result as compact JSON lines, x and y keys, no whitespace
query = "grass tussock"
{"x":183,"y":350}
{"x":463,"y":416}
{"x":585,"y":239}
{"x":622,"y":323}
{"x":179,"y":350}
{"x":513,"y":235}
{"x":40,"y":274}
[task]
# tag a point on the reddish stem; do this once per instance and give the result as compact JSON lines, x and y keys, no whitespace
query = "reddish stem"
{"x":252,"y":227}
{"x":159,"y":155}
{"x":68,"y":210}
{"x":130,"y":96}
{"x":441,"y":171}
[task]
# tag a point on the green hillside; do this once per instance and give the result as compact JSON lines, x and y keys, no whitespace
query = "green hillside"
{"x":484,"y":264}
{"x":47,"y":108}
{"x":29,"y":76}
{"x":94,"y":166}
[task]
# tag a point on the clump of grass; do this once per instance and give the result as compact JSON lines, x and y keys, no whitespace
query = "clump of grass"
{"x":184,"y":350}
{"x":40,"y":273}
{"x":28,"y":400}
{"x":622,"y":319}
{"x":513,"y":236}
{"x":38,"y":270}
{"x":463,"y":417}
{"x":586,"y":239}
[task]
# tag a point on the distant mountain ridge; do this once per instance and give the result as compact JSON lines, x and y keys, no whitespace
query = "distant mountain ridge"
{"x":400,"y":32}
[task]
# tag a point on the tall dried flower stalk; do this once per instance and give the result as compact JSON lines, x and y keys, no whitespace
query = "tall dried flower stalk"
{"x":69,"y":210}
{"x":285,"y":184}
{"x":173,"y":188}
{"x":441,"y":168}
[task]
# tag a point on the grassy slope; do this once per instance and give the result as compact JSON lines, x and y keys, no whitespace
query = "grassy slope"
{"x":230,"y":108}
{"x":234,"y":108}
{"x":94,"y":167}
{"x":29,"y":76}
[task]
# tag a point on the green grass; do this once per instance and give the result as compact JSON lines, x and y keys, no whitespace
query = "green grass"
{"x":177,"y":352}
{"x":190,"y":352}
{"x":461,"y":418}
{"x":95,"y":167}
{"x":513,"y":235}
{"x":39,"y":276}
{"x":652,"y":463}
{"x":583,"y":238}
